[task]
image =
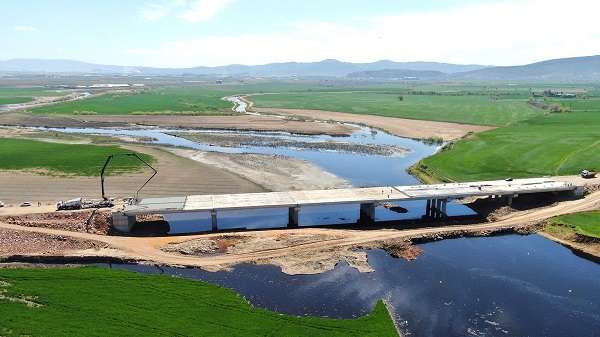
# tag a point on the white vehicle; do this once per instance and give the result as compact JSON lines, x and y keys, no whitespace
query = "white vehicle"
{"x":26,"y":204}
{"x":70,"y":204}
{"x":1,"y":204}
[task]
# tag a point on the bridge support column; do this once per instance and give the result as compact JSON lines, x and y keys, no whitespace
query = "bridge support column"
{"x":213,"y":216}
{"x":123,"y":222}
{"x":293,"y":217}
{"x":443,"y":204}
{"x":436,"y":208}
{"x":367,"y":213}
{"x":508,"y":199}
{"x":428,"y":210}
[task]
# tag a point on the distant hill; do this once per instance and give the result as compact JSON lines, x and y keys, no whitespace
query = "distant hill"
{"x":59,"y":66}
{"x":567,"y":69}
{"x":332,"y":68}
{"x":400,"y":74}
{"x":585,"y":68}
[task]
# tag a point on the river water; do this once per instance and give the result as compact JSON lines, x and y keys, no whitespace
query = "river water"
{"x":499,"y":286}
{"x":358,"y":168}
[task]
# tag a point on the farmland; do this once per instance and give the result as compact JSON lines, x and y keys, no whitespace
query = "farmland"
{"x":24,"y":95}
{"x":163,"y":101}
{"x":443,"y":108}
{"x":63,"y":159}
{"x":557,"y":144}
{"x":126,"y":304}
{"x":519,"y":149}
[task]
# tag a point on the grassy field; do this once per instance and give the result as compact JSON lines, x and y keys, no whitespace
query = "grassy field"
{"x":108,"y":302}
{"x":587,"y":224}
{"x":482,"y":103}
{"x":485,"y":104}
{"x":557,"y":144}
{"x":69,"y":159}
{"x":23,"y":95}
{"x":167,"y":100}
{"x":446,"y":108}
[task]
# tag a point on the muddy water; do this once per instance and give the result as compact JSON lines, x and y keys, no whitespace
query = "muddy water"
{"x":499,"y":286}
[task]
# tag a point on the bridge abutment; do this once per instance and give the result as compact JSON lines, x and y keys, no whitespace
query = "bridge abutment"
{"x":123,"y":222}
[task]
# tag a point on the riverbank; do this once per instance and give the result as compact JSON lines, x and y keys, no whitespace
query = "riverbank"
{"x":296,"y":251}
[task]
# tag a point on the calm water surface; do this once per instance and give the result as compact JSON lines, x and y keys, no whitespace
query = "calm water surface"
{"x":499,"y":286}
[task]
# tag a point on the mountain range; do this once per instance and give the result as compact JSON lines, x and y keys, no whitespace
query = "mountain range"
{"x":573,"y":69}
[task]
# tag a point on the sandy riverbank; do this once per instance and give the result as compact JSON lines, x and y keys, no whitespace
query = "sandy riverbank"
{"x":401,"y":127}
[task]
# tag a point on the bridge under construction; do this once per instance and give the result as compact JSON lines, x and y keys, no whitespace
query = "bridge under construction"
{"x":436,"y":195}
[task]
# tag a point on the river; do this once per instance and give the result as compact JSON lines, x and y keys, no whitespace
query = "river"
{"x":499,"y":286}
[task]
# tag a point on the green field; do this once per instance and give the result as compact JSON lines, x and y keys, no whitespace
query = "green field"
{"x":166,"y":100}
{"x":65,"y":159}
{"x":446,"y":108}
{"x":484,"y":104}
{"x":587,"y":224}
{"x":24,"y":95}
{"x":557,"y":144}
{"x":94,"y":301}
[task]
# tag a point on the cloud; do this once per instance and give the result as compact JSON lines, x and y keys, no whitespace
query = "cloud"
{"x":202,"y":10}
{"x":155,"y":12}
{"x":142,"y":51}
{"x":508,"y":33}
{"x":25,"y":28}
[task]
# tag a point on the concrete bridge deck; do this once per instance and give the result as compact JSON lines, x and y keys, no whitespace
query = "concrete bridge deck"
{"x":437,"y":195}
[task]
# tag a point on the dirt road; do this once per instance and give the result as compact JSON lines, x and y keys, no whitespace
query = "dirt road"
{"x":306,"y":250}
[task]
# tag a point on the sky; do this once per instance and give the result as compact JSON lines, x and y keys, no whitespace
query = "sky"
{"x":190,"y":33}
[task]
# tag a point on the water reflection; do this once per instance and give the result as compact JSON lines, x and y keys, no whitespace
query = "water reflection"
{"x":509,"y":285}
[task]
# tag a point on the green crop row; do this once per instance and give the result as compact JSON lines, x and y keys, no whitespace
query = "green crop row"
{"x":93,"y":301}
{"x":24,"y":95}
{"x":67,"y":159}
{"x":481,"y":110}
{"x":143,"y":102}
{"x":557,"y":144}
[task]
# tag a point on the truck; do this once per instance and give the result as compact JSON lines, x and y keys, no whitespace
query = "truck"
{"x":588,"y":174}
{"x":70,"y":204}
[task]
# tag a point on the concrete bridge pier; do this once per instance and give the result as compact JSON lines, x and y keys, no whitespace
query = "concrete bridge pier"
{"x":213,"y":216}
{"x":436,"y":208}
{"x":508,"y":199}
{"x":367,"y":213}
{"x":123,"y":222}
{"x":293,"y":217}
